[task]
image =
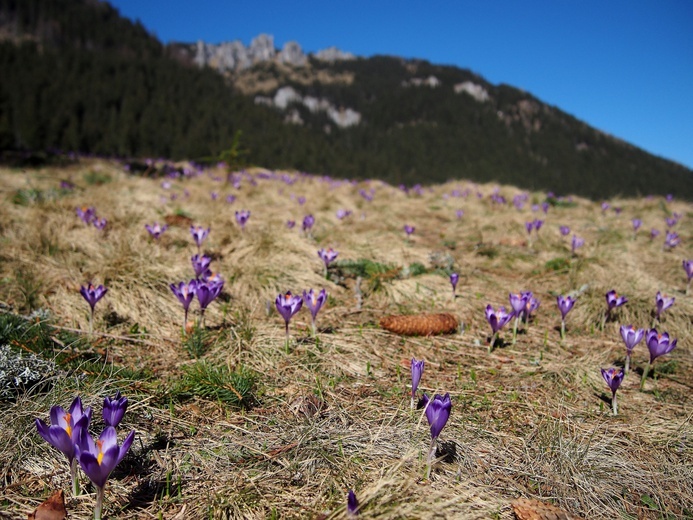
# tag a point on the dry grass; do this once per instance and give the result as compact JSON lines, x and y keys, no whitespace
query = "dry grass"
{"x":530,"y":419}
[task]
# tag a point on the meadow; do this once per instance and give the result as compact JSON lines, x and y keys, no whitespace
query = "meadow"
{"x":231,"y":420}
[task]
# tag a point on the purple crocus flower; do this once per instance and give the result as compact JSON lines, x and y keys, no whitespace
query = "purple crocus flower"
{"x":688,"y":267}
{"x":368,"y":195}
{"x":658,"y":345}
{"x":207,"y":290}
{"x":565,"y":304}
{"x":531,"y":305}
{"x":343,"y":213}
{"x":529,"y":226}
{"x":613,"y":380}
{"x":613,"y":300}
{"x":64,"y":430}
{"x":327,"y":255}
{"x":200,"y":264}
{"x":518,"y":302}
{"x":537,"y":224}
{"x":654,"y":233}
{"x":214,"y":195}
{"x":671,"y":221}
{"x":288,"y":305}
{"x":98,"y":459}
{"x":662,"y":303}
{"x":577,"y":243}
{"x":545,"y":207}
{"x":86,"y":214}
{"x":92,"y":295}
{"x":314,"y":303}
{"x":156,"y":230}
{"x":100,"y":223}
{"x":199,"y":234}
{"x":352,"y":504}
{"x":636,"y":224}
{"x":230,"y":199}
{"x":459,"y":214}
{"x":672,"y":240}
{"x":417,"y":368}
{"x":290,"y":224}
{"x":437,"y":412}
{"x":497,"y":320}
{"x":605,"y":207}
{"x":565,"y":230}
{"x":242,"y":217}
{"x":454,"y":278}
{"x":114,"y":409}
{"x":631,"y":337}
{"x":409,"y":230}
{"x":185,"y":293}
{"x":308,"y":222}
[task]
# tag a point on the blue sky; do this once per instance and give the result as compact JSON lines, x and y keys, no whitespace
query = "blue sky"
{"x":624,"y":67}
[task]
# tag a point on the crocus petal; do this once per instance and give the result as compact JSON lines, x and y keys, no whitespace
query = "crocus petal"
{"x":126,"y":446}
{"x":93,"y":469}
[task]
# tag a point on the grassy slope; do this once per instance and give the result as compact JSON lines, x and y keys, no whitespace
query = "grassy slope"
{"x":528,"y":420}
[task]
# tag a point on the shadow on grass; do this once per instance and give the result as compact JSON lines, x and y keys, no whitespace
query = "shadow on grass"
{"x":149,"y":488}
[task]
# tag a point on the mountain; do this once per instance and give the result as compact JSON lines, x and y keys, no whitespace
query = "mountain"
{"x":81,"y":77}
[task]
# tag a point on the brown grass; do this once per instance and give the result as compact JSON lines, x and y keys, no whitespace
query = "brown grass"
{"x":529,"y":420}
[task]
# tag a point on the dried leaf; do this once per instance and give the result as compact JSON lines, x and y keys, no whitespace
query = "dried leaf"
{"x":52,"y":509}
{"x":531,"y":509}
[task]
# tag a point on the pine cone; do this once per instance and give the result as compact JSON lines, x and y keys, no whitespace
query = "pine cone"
{"x":530,"y":509}
{"x":420,"y":324}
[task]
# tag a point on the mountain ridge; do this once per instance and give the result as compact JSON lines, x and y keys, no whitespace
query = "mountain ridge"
{"x":99,"y":83}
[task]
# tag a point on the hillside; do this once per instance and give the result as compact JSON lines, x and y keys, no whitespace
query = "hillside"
{"x":82,"y":78}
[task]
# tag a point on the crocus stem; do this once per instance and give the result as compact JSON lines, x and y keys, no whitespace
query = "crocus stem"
{"x":493,"y":342}
{"x":99,"y":503}
{"x":614,"y":403}
{"x":625,"y":370}
{"x":562,"y":329}
{"x":185,"y":321}
{"x":517,"y":319}
{"x":688,"y":287}
{"x":644,"y":376}
{"x":286,"y":343}
{"x":606,"y":317}
{"x":73,"y":474}
{"x":312,"y":325}
{"x":91,"y":322}
{"x":430,"y":457}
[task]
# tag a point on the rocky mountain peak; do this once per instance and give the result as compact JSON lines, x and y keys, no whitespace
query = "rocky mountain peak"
{"x":235,"y":56}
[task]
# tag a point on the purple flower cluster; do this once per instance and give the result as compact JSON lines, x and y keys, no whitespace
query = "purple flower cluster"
{"x":69,"y":433}
{"x":89,"y":217}
{"x":206,"y":286}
